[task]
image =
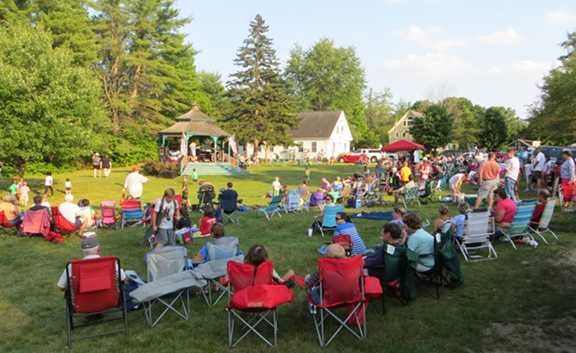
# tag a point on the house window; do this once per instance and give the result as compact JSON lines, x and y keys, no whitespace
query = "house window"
{"x":396,"y":134}
{"x":403,"y":134}
{"x":404,"y":123}
{"x":301,"y":148}
{"x":314,"y":147}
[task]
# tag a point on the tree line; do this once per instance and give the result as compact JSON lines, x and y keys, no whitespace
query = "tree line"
{"x":82,"y":76}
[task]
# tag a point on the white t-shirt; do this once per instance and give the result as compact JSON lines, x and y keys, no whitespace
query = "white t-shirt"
{"x":167,"y":222}
{"x":276,"y":185}
{"x":70,"y":211}
{"x":49,"y":181}
{"x":63,"y":283}
{"x":512,"y":167}
{"x":133,"y":183}
{"x":416,"y":156}
{"x":455,"y":178}
{"x":68,"y":185}
{"x":541,"y":160}
{"x":528,"y":169}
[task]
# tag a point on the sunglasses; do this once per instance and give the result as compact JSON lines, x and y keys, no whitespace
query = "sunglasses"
{"x":338,"y":218}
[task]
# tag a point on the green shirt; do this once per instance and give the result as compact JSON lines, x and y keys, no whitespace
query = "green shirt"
{"x":13,"y":188}
{"x":195,"y":176}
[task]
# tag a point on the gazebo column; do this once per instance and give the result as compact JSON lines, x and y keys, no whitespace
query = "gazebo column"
{"x":215,"y":138}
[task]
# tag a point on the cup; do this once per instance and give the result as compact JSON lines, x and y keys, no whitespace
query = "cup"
{"x":310,"y":232}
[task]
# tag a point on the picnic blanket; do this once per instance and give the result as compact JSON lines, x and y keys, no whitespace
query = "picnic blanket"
{"x":379,"y":216}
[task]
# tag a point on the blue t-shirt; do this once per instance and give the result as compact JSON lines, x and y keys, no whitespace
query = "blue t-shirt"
{"x":422,"y":243}
{"x":358,"y":247}
{"x":459,"y":221}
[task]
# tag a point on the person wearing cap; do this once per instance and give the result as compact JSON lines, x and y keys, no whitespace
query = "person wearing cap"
{"x":567,"y":179}
{"x":90,"y":250}
{"x":134,"y":183}
{"x":425,"y":171}
{"x":73,"y":213}
{"x":97,"y":164}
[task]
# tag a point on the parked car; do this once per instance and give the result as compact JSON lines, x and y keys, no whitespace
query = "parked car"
{"x":350,"y":157}
{"x":373,"y":154}
{"x":554,"y":152}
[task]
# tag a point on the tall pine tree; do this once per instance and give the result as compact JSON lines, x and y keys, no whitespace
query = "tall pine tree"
{"x":261,"y":110}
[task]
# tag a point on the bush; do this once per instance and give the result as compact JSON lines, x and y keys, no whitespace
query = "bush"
{"x":153,"y":168}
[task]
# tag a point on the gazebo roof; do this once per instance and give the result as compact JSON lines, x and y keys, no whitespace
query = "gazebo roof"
{"x":195,"y":122}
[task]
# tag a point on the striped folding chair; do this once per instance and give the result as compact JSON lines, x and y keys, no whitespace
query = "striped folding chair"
{"x":545,"y":220}
{"x":273,"y":207}
{"x":520,"y":223}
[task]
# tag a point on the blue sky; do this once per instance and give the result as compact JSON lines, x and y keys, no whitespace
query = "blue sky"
{"x":493,"y":52}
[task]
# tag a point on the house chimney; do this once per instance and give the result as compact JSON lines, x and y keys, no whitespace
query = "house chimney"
{"x":195,"y":106}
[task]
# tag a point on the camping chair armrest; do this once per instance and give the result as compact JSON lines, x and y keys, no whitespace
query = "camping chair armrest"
{"x":133,"y":276}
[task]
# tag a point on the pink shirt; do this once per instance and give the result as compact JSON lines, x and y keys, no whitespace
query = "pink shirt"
{"x":509,"y":208}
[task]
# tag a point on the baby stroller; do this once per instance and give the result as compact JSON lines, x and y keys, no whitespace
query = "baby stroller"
{"x":205,"y":196}
{"x":108,"y":212}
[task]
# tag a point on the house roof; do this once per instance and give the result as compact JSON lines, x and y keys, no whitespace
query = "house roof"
{"x":195,"y":122}
{"x":410,"y":112}
{"x":316,"y":124}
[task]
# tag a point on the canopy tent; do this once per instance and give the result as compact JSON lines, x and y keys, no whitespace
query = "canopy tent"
{"x":402,"y":145}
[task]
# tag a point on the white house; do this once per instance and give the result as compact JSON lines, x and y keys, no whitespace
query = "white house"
{"x":326,"y":131}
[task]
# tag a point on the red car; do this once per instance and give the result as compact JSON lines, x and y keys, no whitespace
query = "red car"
{"x":352,"y":157}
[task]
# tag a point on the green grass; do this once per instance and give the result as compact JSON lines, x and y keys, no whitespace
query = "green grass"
{"x":528,"y":292}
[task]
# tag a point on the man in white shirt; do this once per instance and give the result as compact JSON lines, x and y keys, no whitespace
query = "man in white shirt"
{"x":512,"y":168}
{"x":134,"y":182}
{"x":538,"y":167}
{"x":164,"y":228}
{"x":90,"y":250}
{"x":73,"y":214}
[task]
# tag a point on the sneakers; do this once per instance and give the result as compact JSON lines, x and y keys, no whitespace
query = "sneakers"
{"x":526,"y":190}
{"x":312,"y":309}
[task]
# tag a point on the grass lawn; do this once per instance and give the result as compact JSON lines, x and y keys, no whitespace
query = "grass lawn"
{"x":521,"y":302}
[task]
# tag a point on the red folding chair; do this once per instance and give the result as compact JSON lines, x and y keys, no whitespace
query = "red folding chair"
{"x":5,"y":226}
{"x":255,"y":294}
{"x":62,"y":225}
{"x":341,"y":285}
{"x":94,"y":288}
{"x":345,"y":241}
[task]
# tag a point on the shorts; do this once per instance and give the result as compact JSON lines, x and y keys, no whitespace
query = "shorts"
{"x":487,"y":189}
{"x":164,"y":236}
{"x":24,"y":198}
{"x":424,"y":177}
{"x":78,"y":223}
{"x":537,"y":175}
{"x":67,"y":189}
{"x":96,"y":166}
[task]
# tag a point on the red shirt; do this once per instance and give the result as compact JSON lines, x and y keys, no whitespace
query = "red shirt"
{"x":205,"y":224}
{"x":538,"y":213}
{"x":509,"y":208}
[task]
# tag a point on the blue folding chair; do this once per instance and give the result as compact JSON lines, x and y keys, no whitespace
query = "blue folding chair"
{"x":328,"y":222}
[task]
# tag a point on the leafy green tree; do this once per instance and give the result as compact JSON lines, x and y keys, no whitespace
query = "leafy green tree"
{"x":493,"y":133}
{"x":552,"y":117}
{"x":465,"y":124}
{"x":378,"y":116}
{"x":211,"y":85}
{"x":329,"y":78}
{"x":49,"y":107}
{"x":261,"y":110}
{"x":435,"y":130}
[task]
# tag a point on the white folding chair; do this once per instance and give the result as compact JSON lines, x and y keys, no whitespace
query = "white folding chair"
{"x":478,"y":229}
{"x":545,"y":219}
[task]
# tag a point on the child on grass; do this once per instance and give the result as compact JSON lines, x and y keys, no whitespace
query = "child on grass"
{"x":276,"y":186}
{"x":49,"y":184}
{"x":24,"y":190}
{"x":14,"y":188}
{"x":194,"y":176}
{"x":68,"y":186}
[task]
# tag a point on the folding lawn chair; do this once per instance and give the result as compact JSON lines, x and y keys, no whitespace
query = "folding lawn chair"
{"x":409,"y":195}
{"x":108,"y":212}
{"x":345,"y":241}
{"x":168,"y":282}
{"x":446,"y":269}
{"x":273,"y":207}
{"x":545,"y":220}
{"x":8,"y":228}
{"x":131,"y":213}
{"x":62,"y":225}
{"x":36,"y":222}
{"x":229,"y":206}
{"x":95,"y":288}
{"x":335,"y":195}
{"x":328,"y":222}
{"x":256,"y":294}
{"x":341,"y":285}
{"x":521,"y":222}
{"x":478,"y":230}
{"x":220,"y":251}
{"x":293,"y":201}
{"x":425,"y":194}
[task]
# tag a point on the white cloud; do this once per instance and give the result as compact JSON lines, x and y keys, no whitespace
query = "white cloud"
{"x":429,"y":65}
{"x":426,"y":38}
{"x":525,"y":68}
{"x":397,"y":1}
{"x":559,"y":17}
{"x":503,"y":38}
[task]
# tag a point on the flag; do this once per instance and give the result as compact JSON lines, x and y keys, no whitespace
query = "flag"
{"x":232,"y":142}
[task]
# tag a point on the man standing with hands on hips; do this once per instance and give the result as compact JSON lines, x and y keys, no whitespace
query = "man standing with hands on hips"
{"x":488,"y":180}
{"x":512,"y":168}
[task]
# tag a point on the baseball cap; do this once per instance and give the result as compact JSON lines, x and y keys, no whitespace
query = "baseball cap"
{"x":97,"y":153}
{"x":135,"y":169}
{"x":69,"y":197}
{"x":425,"y":158}
{"x":394,"y":169}
{"x":89,"y":243}
{"x":568,"y":152}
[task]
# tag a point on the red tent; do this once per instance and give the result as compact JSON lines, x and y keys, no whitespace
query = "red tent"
{"x":402,"y":145}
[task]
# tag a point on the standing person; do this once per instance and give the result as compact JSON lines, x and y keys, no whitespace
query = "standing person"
{"x":405,"y":172}
{"x":276,"y":186}
{"x":487,"y":180}
{"x":567,"y":179}
{"x":194,"y":176}
{"x":512,"y":168}
{"x":49,"y":184}
{"x":193,"y":151}
{"x":106,"y":165}
{"x":538,"y":167}
{"x":528,"y":173}
{"x":425,"y":170}
{"x":68,"y":186}
{"x":134,"y":182}
{"x":164,"y":218}
{"x":307,"y":173}
{"x":14,"y":188}
{"x":416,"y":158}
{"x":184,"y":190}
{"x":379,"y":169}
{"x":97,"y":164}
{"x":456,"y":182}
{"x":24,"y":190}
